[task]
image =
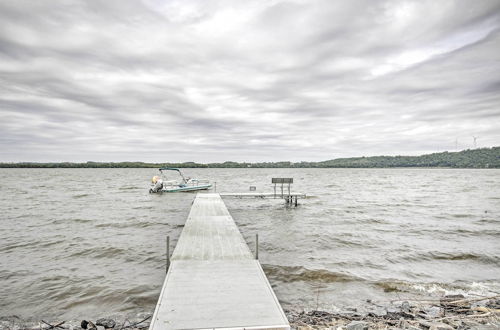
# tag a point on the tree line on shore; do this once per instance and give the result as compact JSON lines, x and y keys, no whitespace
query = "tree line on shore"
{"x":470,"y":158}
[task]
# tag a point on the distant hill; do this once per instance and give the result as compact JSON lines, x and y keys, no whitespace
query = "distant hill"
{"x":476,"y":158}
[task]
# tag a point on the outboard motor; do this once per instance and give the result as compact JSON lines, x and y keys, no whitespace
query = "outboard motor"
{"x":157,"y":185}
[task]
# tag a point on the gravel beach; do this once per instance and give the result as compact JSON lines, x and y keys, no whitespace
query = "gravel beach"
{"x":448,"y":312}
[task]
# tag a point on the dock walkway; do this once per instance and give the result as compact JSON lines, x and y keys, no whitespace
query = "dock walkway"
{"x":213,"y":281}
{"x":288,"y":197}
{"x":262,"y":195}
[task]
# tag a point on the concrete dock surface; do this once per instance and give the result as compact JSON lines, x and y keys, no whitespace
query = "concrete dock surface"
{"x":214,"y":281}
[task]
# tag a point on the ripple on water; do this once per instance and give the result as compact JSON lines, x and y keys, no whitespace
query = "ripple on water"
{"x":486,"y":259}
{"x":131,"y":188}
{"x":483,"y":258}
{"x":128,"y":224}
{"x":100,"y":252}
{"x":488,"y":220}
{"x":298,"y":273}
{"x":71,"y":220}
{"x":15,"y":246}
{"x":141,"y":295}
{"x":80,"y":196}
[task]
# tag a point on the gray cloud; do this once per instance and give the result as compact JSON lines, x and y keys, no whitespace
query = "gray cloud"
{"x":224,"y":80}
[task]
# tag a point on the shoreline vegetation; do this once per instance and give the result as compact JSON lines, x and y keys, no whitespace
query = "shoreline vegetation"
{"x":470,"y":158}
{"x":447,"y":312}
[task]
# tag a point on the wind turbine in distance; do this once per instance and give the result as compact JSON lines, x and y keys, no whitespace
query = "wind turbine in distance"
{"x":475,"y":144}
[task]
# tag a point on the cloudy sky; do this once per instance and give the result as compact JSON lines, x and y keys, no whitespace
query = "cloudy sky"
{"x":206,"y":81}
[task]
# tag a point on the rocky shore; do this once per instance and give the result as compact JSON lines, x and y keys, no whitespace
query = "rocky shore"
{"x":138,"y":322}
{"x":448,"y":312}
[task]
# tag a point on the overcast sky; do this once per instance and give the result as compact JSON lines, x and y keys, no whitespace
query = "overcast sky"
{"x":209,"y":81}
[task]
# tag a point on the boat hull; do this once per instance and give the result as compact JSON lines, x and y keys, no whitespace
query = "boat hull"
{"x":187,"y":188}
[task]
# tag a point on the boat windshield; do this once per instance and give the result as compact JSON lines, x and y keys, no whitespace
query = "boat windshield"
{"x":184,"y":181}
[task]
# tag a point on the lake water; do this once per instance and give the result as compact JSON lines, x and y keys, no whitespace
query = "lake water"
{"x":80,"y":243}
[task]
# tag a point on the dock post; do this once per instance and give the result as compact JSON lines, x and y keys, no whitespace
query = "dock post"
{"x":257,"y":246}
{"x":290,"y":197}
{"x":296,"y":198}
{"x":168,"y":254}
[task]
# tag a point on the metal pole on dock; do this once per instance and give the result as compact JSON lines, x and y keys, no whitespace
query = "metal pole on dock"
{"x":257,"y":246}
{"x":168,"y":254}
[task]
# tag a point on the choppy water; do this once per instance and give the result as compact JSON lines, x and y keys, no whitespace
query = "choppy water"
{"x":90,"y":242}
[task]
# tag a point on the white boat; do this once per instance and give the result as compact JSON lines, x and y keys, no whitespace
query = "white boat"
{"x":161,"y":184}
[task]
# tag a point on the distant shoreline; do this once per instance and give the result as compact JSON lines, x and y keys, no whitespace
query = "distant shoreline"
{"x":470,"y":158}
{"x":250,"y":168}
